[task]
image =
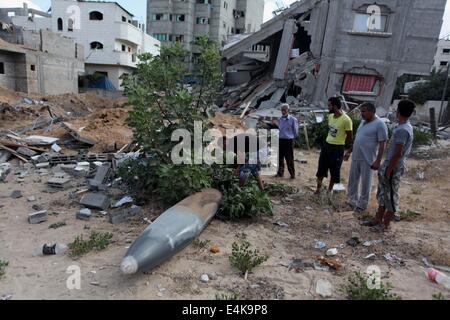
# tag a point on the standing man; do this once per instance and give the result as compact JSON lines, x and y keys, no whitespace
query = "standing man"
{"x":389,"y":176}
{"x":368,"y":150}
{"x":288,"y":126}
{"x":332,"y":154}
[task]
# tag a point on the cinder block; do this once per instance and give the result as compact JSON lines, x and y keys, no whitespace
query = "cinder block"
{"x":101,"y":178}
{"x":37,"y":217}
{"x":59,"y":183}
{"x":123,"y":215}
{"x":97,"y":201}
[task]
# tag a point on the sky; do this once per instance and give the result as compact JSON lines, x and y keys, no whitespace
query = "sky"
{"x":138,"y":8}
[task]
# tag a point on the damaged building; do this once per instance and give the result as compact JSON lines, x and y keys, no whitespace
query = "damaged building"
{"x":320,"y":48}
{"x":39,"y":62}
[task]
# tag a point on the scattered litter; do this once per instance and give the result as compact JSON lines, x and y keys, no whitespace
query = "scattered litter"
{"x":204,"y":278}
{"x":16,"y":194}
{"x":319,"y":267}
{"x":393,"y":258}
{"x":339,"y":188}
{"x":370,"y":256}
{"x":353,"y":242}
{"x":31,"y":199}
{"x":300,"y":265}
{"x":57,"y":248}
{"x":6,"y":297}
{"x":320,"y":245}
{"x":56,"y":148}
{"x":215,"y":249}
{"x":420,"y":175}
{"x":371,"y":243}
{"x":37,"y":217}
{"x":42,"y":165}
{"x":324,"y":288}
{"x":281,"y":224}
{"x":329,"y":262}
{"x":84,"y":214}
{"x":438,"y":277}
{"x":123,"y":201}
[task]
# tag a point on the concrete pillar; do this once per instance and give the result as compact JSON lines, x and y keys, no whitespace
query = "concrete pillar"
{"x":284,"y":53}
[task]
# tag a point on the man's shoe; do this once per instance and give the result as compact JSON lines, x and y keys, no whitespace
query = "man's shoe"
{"x":370,"y":223}
{"x":378,"y":228}
{"x":278,"y":176}
{"x":292,"y":177}
{"x":397,"y":217}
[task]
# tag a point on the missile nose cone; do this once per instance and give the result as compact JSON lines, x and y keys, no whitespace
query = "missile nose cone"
{"x":129,"y":265}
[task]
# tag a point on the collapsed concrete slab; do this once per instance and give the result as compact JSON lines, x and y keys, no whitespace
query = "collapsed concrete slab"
{"x":97,"y":201}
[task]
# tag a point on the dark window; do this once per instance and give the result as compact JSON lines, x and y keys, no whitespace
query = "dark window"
{"x":95,"y":15}
{"x":124,"y":48}
{"x":70,"y":25}
{"x":446,"y":50}
{"x":443,"y":63}
{"x":33,"y":67}
{"x":60,"y":24}
{"x":96,"y":45}
{"x":2,"y":68}
{"x":129,"y":49}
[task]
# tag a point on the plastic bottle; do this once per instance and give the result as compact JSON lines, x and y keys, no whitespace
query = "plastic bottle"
{"x":438,"y":277}
{"x":52,"y":249}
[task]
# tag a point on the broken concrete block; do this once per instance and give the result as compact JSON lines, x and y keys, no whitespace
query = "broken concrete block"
{"x":123,"y":201}
{"x":26,"y":152}
{"x":59,"y":183}
{"x":37,"y":217}
{"x":31,"y":199}
{"x":42,"y":165}
{"x":77,"y":134}
{"x":101,"y":177}
{"x":124,"y":214}
{"x":84,"y":214}
{"x":96,"y":201}
{"x":56,"y":148}
{"x":16,"y":194}
{"x":4,"y":156}
{"x":40,"y":140}
{"x":324,"y":288}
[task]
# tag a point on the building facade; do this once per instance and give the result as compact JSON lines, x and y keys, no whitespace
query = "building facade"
{"x":358,"y":48}
{"x":39,"y":62}
{"x":442,"y":57}
{"x":184,"y":20}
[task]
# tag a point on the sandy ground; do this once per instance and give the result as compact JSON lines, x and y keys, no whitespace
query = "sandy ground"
{"x":30,"y":276}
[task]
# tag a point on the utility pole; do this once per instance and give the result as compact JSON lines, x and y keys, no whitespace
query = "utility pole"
{"x":444,"y":93}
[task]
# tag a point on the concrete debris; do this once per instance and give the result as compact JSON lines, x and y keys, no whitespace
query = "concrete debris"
{"x":95,"y":201}
{"x":332,"y":252}
{"x":37,"y":217}
{"x":84,"y":214}
{"x":40,"y":140}
{"x":4,"y":156}
{"x":370,"y":256}
{"x":371,"y":243}
{"x":320,"y":245}
{"x":16,"y":194}
{"x":56,"y":148}
{"x":77,"y":134}
{"x":204,"y":278}
{"x":103,"y":174}
{"x":26,"y":152}
{"x":31,"y":199}
{"x":5,"y":169}
{"x":43,"y":165}
{"x":59,"y":183}
{"x":281,"y":224}
{"x":125,"y":200}
{"x":123,"y":215}
{"x":300,"y":265}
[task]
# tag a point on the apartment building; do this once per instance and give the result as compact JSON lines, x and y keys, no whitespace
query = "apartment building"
{"x":357,"y":48}
{"x":184,"y":20}
{"x":442,"y":57}
{"x":111,"y":38}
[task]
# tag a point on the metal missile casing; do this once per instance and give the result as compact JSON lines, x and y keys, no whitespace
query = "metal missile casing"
{"x":174,"y":230}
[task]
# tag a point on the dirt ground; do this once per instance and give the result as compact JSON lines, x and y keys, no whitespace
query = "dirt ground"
{"x":31,"y":276}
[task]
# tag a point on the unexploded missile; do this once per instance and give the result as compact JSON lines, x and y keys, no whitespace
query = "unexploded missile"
{"x":174,"y":230}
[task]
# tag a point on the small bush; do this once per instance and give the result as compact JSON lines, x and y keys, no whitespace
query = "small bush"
{"x":421,"y":138}
{"x":246,"y":202}
{"x":356,"y":289}
{"x":244,"y":259}
{"x":227,"y":296}
{"x":3,"y":265}
{"x":97,"y":241}
{"x":57,"y":225}
{"x":279,"y":189}
{"x":409,"y":215}
{"x":138,"y":175}
{"x":201,"y":244}
{"x":176,"y":182}
{"x":438,"y":296}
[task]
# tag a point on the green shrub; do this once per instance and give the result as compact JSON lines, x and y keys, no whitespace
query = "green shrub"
{"x":279,"y":189}
{"x":244,"y":259}
{"x":356,"y":289}
{"x":3,"y":265}
{"x":246,"y":202}
{"x":97,"y":241}
{"x":139,"y":176}
{"x":173,"y":183}
{"x":421,"y":138}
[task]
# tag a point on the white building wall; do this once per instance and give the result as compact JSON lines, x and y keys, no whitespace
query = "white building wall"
{"x":442,"y":55}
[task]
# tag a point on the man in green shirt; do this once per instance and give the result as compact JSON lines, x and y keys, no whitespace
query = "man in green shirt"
{"x":340,"y":134}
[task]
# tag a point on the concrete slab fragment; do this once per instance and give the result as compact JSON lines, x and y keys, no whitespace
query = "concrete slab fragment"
{"x":124,"y":214}
{"x":97,"y":201}
{"x":37,"y":217}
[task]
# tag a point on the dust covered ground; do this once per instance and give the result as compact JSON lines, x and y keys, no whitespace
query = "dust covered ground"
{"x":31,"y":276}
